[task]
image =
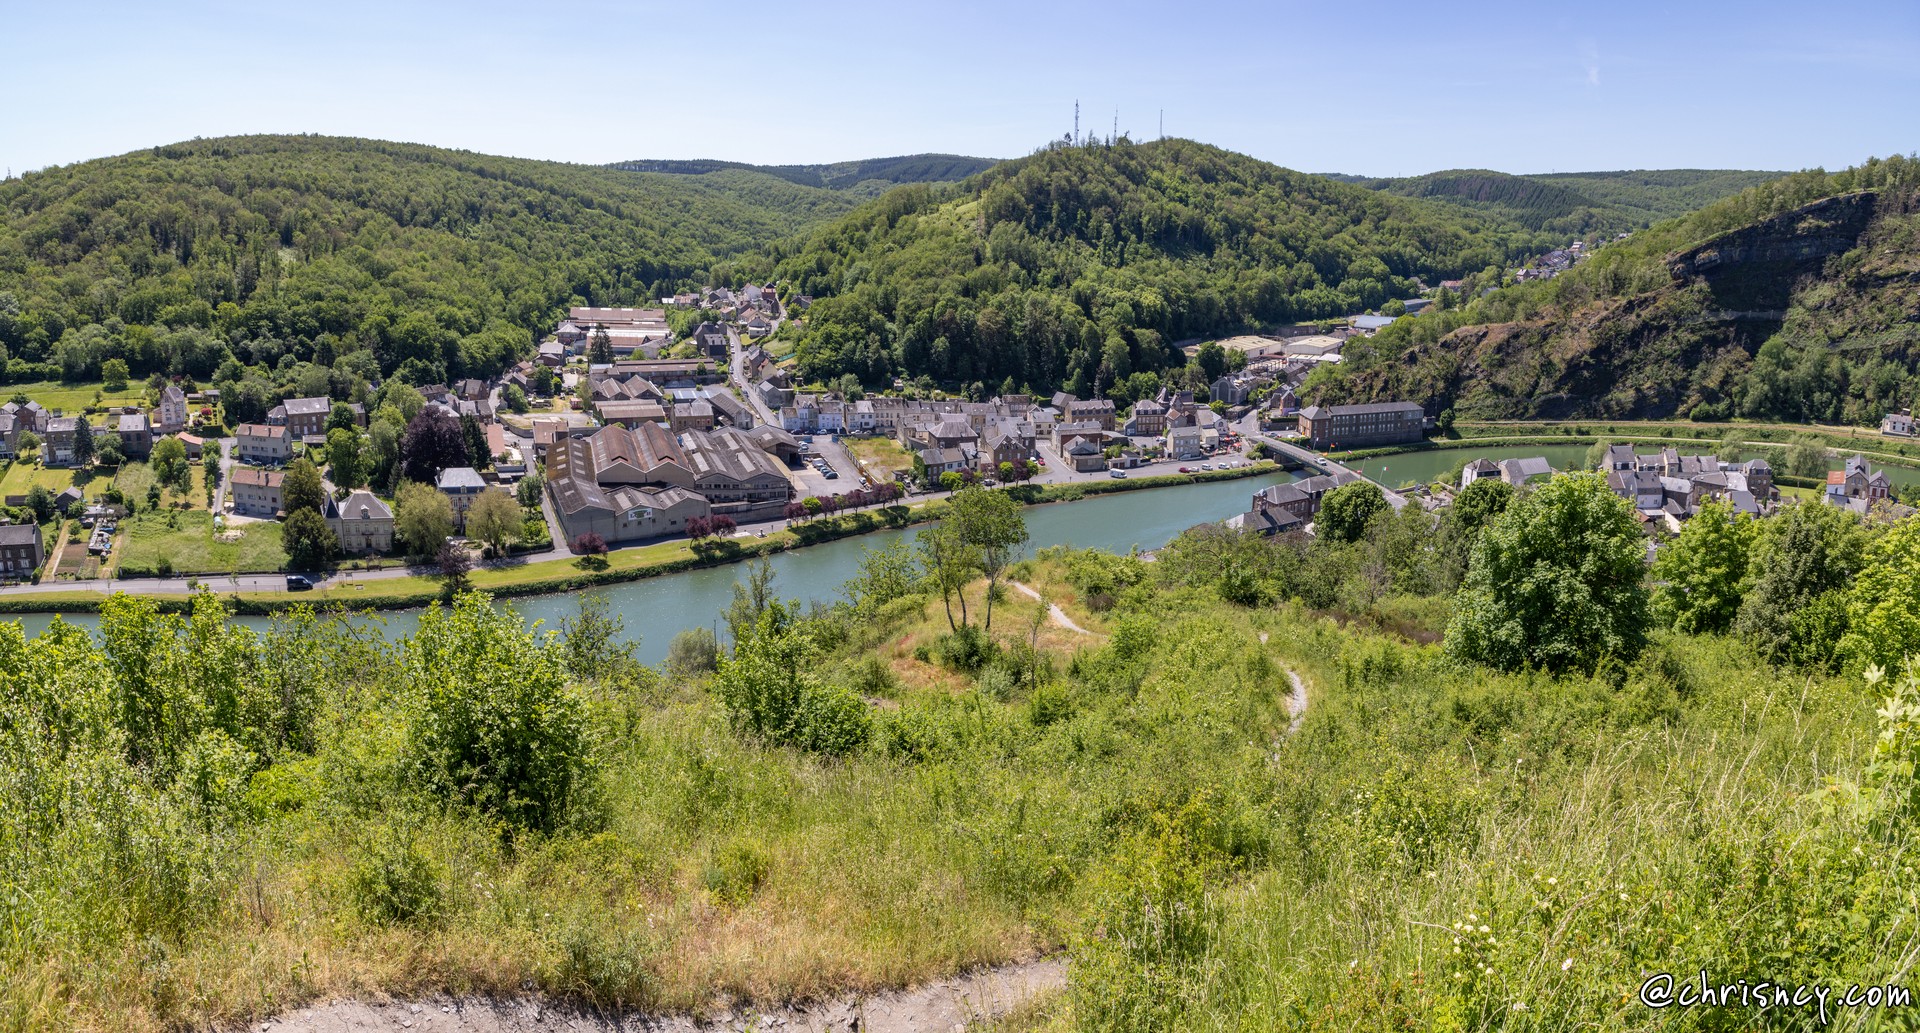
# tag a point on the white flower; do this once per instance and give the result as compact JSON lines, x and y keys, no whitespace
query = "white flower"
{"x":1352,"y":964}
{"x":1551,"y":881}
{"x":1484,"y":929}
{"x":1623,"y":896}
{"x":1567,"y":964}
{"x":1519,"y":1006}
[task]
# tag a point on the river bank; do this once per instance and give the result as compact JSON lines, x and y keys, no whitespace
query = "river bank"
{"x":558,"y":577}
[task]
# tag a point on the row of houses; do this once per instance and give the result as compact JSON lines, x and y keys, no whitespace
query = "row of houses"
{"x":1675,"y":485}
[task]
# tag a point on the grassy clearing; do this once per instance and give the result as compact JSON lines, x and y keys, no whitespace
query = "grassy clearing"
{"x":72,"y":398}
{"x":22,"y":477}
{"x":186,"y":540}
{"x":884,"y":456}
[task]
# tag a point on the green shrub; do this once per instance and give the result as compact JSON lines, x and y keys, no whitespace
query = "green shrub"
{"x":965,"y":650}
{"x":493,"y":723}
{"x":735,"y":872}
{"x":395,"y":882}
{"x":770,"y":691}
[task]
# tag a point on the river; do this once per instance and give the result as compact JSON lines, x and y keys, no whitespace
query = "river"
{"x":658,"y":608}
{"x":1424,"y":467}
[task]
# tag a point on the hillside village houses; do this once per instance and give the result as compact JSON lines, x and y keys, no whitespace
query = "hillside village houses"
{"x":303,"y":417}
{"x":1857,"y":486}
{"x":1670,"y":485}
{"x":22,"y":551}
{"x":256,"y":492}
{"x":362,"y":522}
{"x":262,"y":444}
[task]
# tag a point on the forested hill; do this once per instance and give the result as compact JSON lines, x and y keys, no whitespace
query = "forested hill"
{"x":1795,"y":300}
{"x":354,"y":253}
{"x":871,"y":176}
{"x":1577,"y":204}
{"x":1079,"y":266}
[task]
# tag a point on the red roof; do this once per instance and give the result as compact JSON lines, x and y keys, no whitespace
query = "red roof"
{"x":1836,"y":477}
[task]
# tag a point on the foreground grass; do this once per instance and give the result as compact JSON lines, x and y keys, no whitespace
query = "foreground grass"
{"x":1129,"y":795}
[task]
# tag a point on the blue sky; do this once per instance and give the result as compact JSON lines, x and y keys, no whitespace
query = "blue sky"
{"x":1375,"y":88}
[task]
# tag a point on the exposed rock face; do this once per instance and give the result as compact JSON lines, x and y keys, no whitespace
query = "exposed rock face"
{"x":1841,"y":273}
{"x":1829,"y":226}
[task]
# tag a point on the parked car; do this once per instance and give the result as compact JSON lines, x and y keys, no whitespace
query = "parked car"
{"x":1116,"y":473}
{"x":1206,"y":466}
{"x":1184,"y":470}
{"x":298,"y":583}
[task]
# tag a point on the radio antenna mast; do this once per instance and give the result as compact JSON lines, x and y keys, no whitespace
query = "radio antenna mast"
{"x":1076,"y":123}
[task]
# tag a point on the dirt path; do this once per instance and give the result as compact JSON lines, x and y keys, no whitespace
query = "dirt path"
{"x":935,"y":1008}
{"x":1053,"y":609}
{"x":1297,"y":702}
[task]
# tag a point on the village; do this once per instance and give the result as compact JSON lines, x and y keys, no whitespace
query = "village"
{"x":620,"y":430}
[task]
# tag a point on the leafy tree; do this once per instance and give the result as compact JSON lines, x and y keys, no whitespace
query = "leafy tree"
{"x":343,"y":457}
{"x":29,"y":443}
{"x":114,"y":372}
{"x":949,"y":564}
{"x":494,"y":518}
{"x":1213,"y":361}
{"x":1556,"y":581}
{"x":599,"y":346}
{"x":383,"y":449}
{"x":1883,"y":606}
{"x":302,"y":488}
{"x":951,"y":481}
{"x":422,"y":517}
{"x":989,"y":523}
{"x":692,"y":652}
{"x":594,"y":641}
{"x":770,"y":690}
{"x":82,"y":442}
{"x":40,"y":501}
{"x":1474,"y":507}
{"x":309,"y":543}
{"x":1700,"y":575}
{"x":528,"y":491}
{"x":453,"y":563}
{"x":170,"y":464}
{"x":1347,"y":510}
{"x":515,"y":399}
{"x":1732,"y":444}
{"x":433,"y":442}
{"x":341,"y":417}
{"x":1806,"y":553}
{"x":590,"y":544}
{"x":1806,"y":457}
{"x":492,"y":723}
{"x":110,"y":454}
{"x":474,"y":438}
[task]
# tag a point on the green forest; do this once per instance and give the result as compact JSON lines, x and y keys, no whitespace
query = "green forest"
{"x":1529,"y":772}
{"x":261,"y":255}
{"x":1788,"y":301}
{"x":1577,"y":204}
{"x":268,"y":265}
{"x":868,"y":177}
{"x":1078,"y":266}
